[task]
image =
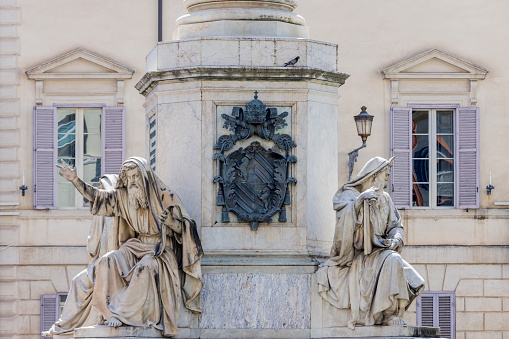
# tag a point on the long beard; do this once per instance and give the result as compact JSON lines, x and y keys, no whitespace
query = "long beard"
{"x":137,"y":197}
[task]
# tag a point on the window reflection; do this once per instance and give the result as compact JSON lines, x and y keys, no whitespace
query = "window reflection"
{"x":420,"y":158}
{"x":80,"y":146}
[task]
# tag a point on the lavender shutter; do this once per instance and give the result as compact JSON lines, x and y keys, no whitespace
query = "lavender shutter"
{"x":401,"y":143}
{"x":49,"y":311}
{"x":467,"y":141}
{"x":425,"y":314}
{"x":438,"y":309}
{"x":446,"y":310}
{"x":45,"y":157}
{"x":113,"y":131}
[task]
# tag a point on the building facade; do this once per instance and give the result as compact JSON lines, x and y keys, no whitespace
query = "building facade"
{"x":432,"y":74}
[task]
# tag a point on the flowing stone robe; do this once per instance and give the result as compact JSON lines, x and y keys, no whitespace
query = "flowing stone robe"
{"x":367,"y":285}
{"x":131,"y":283}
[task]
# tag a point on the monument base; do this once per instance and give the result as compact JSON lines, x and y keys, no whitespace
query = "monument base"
{"x":103,"y":331}
{"x":128,"y":332}
{"x":381,"y":332}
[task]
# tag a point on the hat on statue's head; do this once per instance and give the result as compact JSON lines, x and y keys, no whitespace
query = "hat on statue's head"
{"x":374,"y":166}
{"x":371,"y":168}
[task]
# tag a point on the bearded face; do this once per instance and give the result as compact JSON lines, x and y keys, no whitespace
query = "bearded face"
{"x":134,"y":184}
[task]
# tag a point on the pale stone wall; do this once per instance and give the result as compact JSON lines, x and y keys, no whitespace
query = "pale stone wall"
{"x":48,"y":247}
{"x":10,"y":141}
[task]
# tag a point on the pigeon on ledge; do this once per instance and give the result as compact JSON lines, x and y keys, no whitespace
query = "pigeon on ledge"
{"x":292,"y":62}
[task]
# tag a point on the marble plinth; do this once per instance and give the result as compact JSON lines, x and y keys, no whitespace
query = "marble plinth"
{"x":103,"y":331}
{"x":261,"y":18}
{"x":381,"y":332}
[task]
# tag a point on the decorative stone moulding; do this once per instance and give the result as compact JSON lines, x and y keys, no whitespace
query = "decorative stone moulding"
{"x":260,"y":18}
{"x":83,"y":65}
{"x":434,"y":65}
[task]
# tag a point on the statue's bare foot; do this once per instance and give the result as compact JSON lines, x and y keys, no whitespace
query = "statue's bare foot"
{"x":46,"y":334}
{"x":101,"y":320}
{"x":113,"y":322}
{"x":394,"y":320}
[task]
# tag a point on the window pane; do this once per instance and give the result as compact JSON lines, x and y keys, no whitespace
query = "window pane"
{"x":91,"y":169}
{"x":420,"y":122}
{"x":67,"y":145}
{"x":445,"y":121}
{"x":420,"y":195}
{"x":66,"y":120}
{"x":92,"y":120}
{"x":92,"y":145}
{"x":420,"y":146}
{"x":445,"y":146}
{"x":66,"y":194}
{"x":421,"y":171}
{"x":445,"y":194}
{"x":445,"y":170}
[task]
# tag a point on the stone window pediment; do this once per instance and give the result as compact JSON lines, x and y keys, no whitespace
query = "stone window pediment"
{"x":434,"y":64}
{"x":434,"y":72}
{"x":79,"y":65}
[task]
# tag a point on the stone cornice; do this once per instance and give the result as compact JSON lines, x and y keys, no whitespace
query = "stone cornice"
{"x":238,"y":73}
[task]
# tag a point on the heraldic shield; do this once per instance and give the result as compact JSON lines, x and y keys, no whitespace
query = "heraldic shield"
{"x":253,"y":181}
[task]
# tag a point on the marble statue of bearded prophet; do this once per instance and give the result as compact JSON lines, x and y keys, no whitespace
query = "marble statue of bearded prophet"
{"x":156,"y":258}
{"x":365,"y":273}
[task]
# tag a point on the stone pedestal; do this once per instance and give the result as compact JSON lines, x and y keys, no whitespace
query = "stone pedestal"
{"x":259,"y":18}
{"x":256,"y":283}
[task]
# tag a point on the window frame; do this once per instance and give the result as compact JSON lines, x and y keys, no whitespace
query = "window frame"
{"x":436,"y":317}
{"x":79,"y":156}
{"x":432,"y":158}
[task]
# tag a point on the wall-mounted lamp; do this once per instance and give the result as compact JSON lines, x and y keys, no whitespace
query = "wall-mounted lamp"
{"x":489,"y":187}
{"x":363,"y":122}
{"x":23,"y":187}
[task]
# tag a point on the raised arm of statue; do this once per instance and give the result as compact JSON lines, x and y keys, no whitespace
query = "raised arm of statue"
{"x":85,"y":189}
{"x":88,"y":191}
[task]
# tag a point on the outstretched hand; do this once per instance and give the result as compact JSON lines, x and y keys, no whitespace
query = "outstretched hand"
{"x":66,"y":171}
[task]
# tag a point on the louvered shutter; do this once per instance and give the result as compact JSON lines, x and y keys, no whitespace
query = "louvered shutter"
{"x":425,"y":311}
{"x":445,"y":316}
{"x":401,"y":144}
{"x":113,"y":131}
{"x":437,"y":309}
{"x":467,"y":141}
{"x":45,"y":157}
{"x":49,"y":311}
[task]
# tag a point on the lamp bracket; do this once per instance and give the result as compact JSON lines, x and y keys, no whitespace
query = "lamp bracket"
{"x":353,"y":159}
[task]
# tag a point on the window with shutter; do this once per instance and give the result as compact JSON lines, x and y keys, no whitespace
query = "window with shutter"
{"x":438,"y":309}
{"x":44,"y":157}
{"x":91,"y":139}
{"x":467,"y":139}
{"x":401,"y":124}
{"x":49,"y":311}
{"x":436,"y":157}
{"x":113,"y":141}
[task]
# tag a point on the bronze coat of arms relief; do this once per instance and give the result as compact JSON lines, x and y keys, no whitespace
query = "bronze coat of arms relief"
{"x":253,"y":181}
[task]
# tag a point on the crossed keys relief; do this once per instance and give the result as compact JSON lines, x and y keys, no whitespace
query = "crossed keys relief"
{"x":253,"y":181}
